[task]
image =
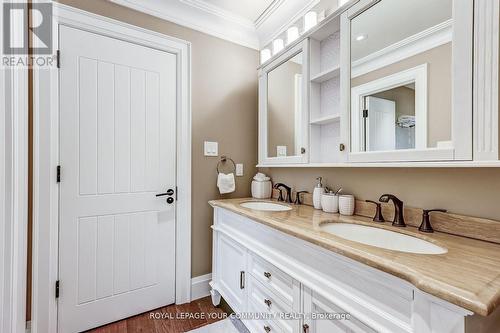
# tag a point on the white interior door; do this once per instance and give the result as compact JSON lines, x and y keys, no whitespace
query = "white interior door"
{"x":117,"y":151}
{"x":380,"y":124}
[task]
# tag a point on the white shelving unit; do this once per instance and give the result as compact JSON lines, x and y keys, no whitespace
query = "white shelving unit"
{"x":325,"y":120}
{"x":325,"y":113}
{"x":326,"y":75}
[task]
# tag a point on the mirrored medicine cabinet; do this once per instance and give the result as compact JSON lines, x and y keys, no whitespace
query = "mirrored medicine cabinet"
{"x":382,"y":81}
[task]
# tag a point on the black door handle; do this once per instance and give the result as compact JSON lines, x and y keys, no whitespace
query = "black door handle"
{"x":169,"y":192}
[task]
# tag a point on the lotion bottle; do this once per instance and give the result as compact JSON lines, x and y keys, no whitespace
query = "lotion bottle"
{"x":317,"y":192}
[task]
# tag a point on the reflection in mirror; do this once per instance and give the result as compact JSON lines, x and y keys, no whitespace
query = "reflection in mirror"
{"x":284,"y":108}
{"x":401,"y":74}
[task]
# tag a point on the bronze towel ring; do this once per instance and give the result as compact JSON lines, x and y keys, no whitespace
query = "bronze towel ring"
{"x":224,"y":159}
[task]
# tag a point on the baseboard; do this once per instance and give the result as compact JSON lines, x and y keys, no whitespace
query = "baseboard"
{"x":200,"y":286}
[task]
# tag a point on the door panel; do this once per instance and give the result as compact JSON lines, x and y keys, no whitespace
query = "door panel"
{"x":117,"y":151}
{"x":381,"y":124}
{"x":231,"y":261}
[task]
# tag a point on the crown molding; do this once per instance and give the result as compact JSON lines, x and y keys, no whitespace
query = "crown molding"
{"x":222,"y":13}
{"x":266,"y":14}
{"x":201,"y":16}
{"x":430,"y":38}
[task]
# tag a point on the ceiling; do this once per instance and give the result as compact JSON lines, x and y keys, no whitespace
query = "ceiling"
{"x":391,"y":21}
{"x":251,"y":23}
{"x":248,"y":9}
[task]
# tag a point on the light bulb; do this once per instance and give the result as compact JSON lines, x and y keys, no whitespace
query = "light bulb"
{"x":292,"y":34}
{"x":310,"y":20}
{"x":361,"y":37}
{"x":265,"y":55}
{"x":278,"y":45}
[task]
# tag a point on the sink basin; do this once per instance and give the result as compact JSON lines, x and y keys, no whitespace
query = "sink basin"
{"x":382,"y":238}
{"x":265,"y":206}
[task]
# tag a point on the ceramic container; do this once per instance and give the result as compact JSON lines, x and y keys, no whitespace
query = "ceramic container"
{"x":346,"y":204}
{"x":330,"y":203}
{"x":262,"y":189}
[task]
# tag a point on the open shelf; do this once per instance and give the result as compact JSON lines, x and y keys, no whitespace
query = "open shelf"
{"x":326,"y":75}
{"x":325,"y":120}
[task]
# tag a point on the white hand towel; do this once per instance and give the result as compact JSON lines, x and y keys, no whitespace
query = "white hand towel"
{"x":226,"y":183}
{"x":260,"y":177}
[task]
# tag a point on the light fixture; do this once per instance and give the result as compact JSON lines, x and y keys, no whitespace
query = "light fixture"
{"x":310,"y":20}
{"x":361,"y":37}
{"x":321,"y":15}
{"x":278,"y":45}
{"x":292,"y":34}
{"x":265,"y":55}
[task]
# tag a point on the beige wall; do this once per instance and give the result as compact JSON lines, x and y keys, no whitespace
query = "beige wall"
{"x":224,"y":109}
{"x":468,"y":191}
{"x":439,"y":88}
{"x":404,"y":98}
{"x":281,"y":108}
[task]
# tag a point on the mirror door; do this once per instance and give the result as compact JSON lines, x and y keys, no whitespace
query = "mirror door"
{"x":283,"y":109}
{"x":406,"y":59}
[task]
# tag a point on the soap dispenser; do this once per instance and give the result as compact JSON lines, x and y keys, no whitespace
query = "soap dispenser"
{"x":317,"y":192}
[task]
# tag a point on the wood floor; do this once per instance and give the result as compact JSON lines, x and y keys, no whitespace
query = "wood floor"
{"x":202,"y":308}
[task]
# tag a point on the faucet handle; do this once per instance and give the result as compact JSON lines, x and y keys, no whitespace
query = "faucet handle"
{"x":280,"y":197}
{"x":426,"y":222}
{"x":378,"y":214}
{"x":297,"y":197}
{"x":427,"y":211}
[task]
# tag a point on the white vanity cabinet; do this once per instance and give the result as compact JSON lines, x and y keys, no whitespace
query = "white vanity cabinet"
{"x":295,"y":286}
{"x":231,"y":270}
{"x":320,"y":307}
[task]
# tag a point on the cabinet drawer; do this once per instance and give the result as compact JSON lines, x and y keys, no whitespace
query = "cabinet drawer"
{"x":319,"y":306}
{"x":266,"y":301}
{"x":273,"y":278}
{"x":261,"y":325}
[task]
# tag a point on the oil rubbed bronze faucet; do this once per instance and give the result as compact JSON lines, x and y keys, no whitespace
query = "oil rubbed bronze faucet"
{"x":288,"y":190}
{"x":426,"y":223}
{"x":399,"y":219}
{"x":297,"y":197}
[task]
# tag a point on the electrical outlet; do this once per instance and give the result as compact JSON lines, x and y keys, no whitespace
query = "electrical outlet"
{"x":281,"y":151}
{"x":239,"y":169}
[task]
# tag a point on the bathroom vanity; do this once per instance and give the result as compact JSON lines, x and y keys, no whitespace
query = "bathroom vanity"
{"x":289,"y":269}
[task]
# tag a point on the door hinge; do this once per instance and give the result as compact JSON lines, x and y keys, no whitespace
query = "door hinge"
{"x":58,"y":173}
{"x":57,"y":289}
{"x":365,"y":113}
{"x":176,"y":193}
{"x":58,"y":58}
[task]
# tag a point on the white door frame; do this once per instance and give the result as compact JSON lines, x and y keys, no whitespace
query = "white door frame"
{"x":13,"y":189}
{"x":46,"y":157}
{"x":416,"y":75}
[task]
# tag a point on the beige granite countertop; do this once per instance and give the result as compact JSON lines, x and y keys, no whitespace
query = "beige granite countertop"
{"x":468,"y":275}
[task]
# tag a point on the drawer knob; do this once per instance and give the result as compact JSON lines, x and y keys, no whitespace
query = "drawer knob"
{"x":268,"y":302}
{"x":267,"y":329}
{"x":267,"y":275}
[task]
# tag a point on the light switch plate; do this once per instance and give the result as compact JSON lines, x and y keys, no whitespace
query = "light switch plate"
{"x":281,"y":151}
{"x":211,"y":148}
{"x":239,"y":169}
